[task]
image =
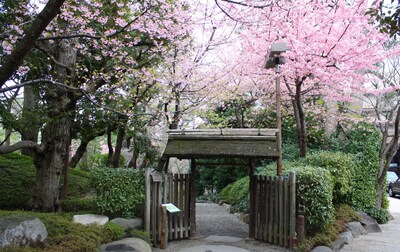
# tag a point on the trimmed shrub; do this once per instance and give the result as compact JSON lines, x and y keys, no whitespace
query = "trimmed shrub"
{"x":17,"y":179}
{"x":341,"y":166}
{"x":118,"y":191}
{"x":236,"y":192}
{"x":86,"y":205}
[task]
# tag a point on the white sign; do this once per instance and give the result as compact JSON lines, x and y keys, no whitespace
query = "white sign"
{"x":171,"y":208}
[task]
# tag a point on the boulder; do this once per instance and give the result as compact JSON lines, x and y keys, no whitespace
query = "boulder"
{"x":356,"y":228}
{"x":21,"y":230}
{"x":322,"y":249}
{"x":347,"y":237}
{"x":128,"y":224}
{"x":126,"y":245}
{"x":369,"y":223}
{"x":87,"y":219}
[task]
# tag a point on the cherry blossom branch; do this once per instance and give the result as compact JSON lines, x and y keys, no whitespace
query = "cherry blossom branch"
{"x":14,"y":60}
{"x":92,"y":36}
{"x":248,"y":5}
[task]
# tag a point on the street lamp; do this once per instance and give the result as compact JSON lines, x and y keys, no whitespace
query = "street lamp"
{"x":274,"y":60}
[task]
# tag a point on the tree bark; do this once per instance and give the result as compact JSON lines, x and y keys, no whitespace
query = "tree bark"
{"x":78,"y":154}
{"x":14,"y":60}
{"x":55,"y":134}
{"x":386,"y":155}
{"x":118,"y":146}
{"x":300,"y":120}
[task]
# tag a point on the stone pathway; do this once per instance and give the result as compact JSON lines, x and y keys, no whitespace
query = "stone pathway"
{"x":219,"y":231}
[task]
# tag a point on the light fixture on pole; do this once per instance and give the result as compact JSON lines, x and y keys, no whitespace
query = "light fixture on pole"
{"x":274,"y":60}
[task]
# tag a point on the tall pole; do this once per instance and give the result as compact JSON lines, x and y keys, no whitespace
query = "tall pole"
{"x":278,"y":121}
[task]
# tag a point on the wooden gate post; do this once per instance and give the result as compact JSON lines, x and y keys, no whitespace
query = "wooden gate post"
{"x":147,"y":200}
{"x":192,"y":211}
{"x":164,"y":227}
{"x":292,"y":218}
{"x":252,"y":190}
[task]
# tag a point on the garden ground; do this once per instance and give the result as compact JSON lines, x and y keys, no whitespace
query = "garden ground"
{"x":215,"y":228}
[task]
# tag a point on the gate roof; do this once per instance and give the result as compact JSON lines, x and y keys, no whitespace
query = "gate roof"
{"x":215,"y":143}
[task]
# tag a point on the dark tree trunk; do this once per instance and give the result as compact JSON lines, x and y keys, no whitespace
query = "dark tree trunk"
{"x":300,"y":120}
{"x":55,"y":134}
{"x":64,"y":189}
{"x":118,"y":146}
{"x":50,"y":164}
{"x":110,"y":146}
{"x":80,"y":152}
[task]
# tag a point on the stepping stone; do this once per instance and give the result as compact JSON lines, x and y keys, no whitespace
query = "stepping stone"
{"x":213,"y":248}
{"x":87,"y":219}
{"x":218,"y":238}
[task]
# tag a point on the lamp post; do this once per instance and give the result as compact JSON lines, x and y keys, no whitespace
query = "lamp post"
{"x":274,"y":60}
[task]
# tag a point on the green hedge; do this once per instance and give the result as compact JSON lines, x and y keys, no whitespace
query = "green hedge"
{"x":118,"y":190}
{"x":17,"y":179}
{"x":341,"y":167}
{"x":235,"y":192}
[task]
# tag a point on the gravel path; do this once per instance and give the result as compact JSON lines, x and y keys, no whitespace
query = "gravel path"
{"x":211,"y":220}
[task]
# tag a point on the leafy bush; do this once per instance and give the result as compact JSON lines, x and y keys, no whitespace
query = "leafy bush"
{"x":118,"y":191}
{"x":98,"y":161}
{"x":236,"y":192}
{"x":314,"y":190}
{"x":363,"y":193}
{"x":341,"y":166}
{"x":66,"y":236}
{"x":381,"y":215}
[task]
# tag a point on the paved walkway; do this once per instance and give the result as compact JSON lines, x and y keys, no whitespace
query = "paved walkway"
{"x":387,"y":241}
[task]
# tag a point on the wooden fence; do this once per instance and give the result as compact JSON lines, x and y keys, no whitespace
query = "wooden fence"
{"x":162,"y":189}
{"x":275,"y":209}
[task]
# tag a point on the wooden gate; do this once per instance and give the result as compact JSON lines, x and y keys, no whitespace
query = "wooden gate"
{"x":162,"y":188}
{"x":275,"y":209}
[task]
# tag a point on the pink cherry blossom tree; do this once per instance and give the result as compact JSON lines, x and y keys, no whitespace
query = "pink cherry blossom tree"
{"x":91,"y":48}
{"x":331,"y":45}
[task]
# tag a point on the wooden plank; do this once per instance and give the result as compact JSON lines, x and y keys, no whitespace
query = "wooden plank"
{"x":170,"y":200}
{"x":256,"y":207}
{"x":221,"y":138}
{"x":159,"y":202}
{"x":266,"y":207}
{"x":247,"y":131}
{"x":271,"y":209}
{"x":181,"y":206}
{"x":154,"y":214}
{"x":176,"y":201}
{"x":147,"y":212}
{"x":281,"y":211}
{"x":186,"y":209}
{"x":286,"y":211}
{"x":276,"y":211}
{"x":192,"y":211}
{"x":215,"y":148}
{"x":252,"y":189}
{"x":292,"y":221}
{"x":164,"y":227}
